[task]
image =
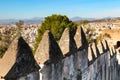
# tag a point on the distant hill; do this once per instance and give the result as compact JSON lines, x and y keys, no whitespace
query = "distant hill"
{"x":35,"y":20}
{"x":8,"y":21}
{"x":107,"y":19}
{"x":81,"y":18}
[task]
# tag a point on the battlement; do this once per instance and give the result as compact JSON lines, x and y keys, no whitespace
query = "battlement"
{"x":70,"y":59}
{"x":79,"y":59}
{"x":69,"y":44}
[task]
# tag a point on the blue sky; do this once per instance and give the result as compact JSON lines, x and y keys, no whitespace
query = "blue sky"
{"x":20,"y":9}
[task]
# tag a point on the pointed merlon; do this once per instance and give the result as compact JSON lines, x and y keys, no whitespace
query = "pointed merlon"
{"x":103,"y":48}
{"x":80,"y":38}
{"x":97,"y":50}
{"x":93,"y":55}
{"x":89,"y":54}
{"x":112,"y":52}
{"x":84,"y":40}
{"x":94,"y":49}
{"x":67,"y":43}
{"x":18,"y":60}
{"x":9,"y":58}
{"x":24,"y":63}
{"x":115,"y":52}
{"x":48,"y":49}
{"x":107,"y":47}
{"x":104,"y":44}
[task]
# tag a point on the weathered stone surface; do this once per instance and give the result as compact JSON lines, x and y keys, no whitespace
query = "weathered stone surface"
{"x":52,"y":71}
{"x":67,"y":43}
{"x":9,"y":58}
{"x":76,"y":67}
{"x":69,"y":71}
{"x":24,"y":63}
{"x":103,"y":47}
{"x":77,"y":37}
{"x":48,"y":50}
{"x":112,"y":52}
{"x":97,"y":51}
{"x":107,"y":46}
{"x":85,"y":73}
{"x":80,"y":38}
{"x":18,"y":61}
{"x":82,"y":53}
{"x":113,"y":68}
{"x":91,"y":55}
{"x":82,"y":61}
{"x":73,"y":66}
{"x":94,"y":49}
{"x":108,"y":49}
{"x":31,"y":76}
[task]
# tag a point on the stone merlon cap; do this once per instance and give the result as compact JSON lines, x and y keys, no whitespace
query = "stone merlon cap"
{"x":93,"y":55}
{"x":80,"y":38}
{"x":18,"y":53}
{"x":24,"y":63}
{"x":112,"y":52}
{"x":9,"y":58}
{"x":103,"y":48}
{"x":97,"y":50}
{"x":67,"y":43}
{"x":107,"y":47}
{"x":48,"y":49}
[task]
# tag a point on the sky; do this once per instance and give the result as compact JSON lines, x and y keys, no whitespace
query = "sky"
{"x":22,"y":9}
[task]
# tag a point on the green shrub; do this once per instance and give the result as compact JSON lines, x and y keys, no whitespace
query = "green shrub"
{"x":56,"y":24}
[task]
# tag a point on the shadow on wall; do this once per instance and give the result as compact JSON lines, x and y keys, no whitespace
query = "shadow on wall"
{"x":25,"y":66}
{"x":119,"y":71}
{"x":75,"y":64}
{"x":69,"y":60}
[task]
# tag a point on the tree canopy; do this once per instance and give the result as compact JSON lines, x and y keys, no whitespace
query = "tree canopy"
{"x":83,"y":22}
{"x":19,"y":26}
{"x":19,"y":23}
{"x":56,"y":24}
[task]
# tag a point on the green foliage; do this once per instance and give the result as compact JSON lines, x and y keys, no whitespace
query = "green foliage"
{"x":83,"y":22}
{"x":90,"y":29}
{"x":6,"y":39}
{"x":92,"y":35}
{"x":2,"y":51}
{"x":98,"y":39}
{"x":19,"y":23}
{"x":19,"y":26}
{"x":56,"y":24}
{"x":4,"y":43}
{"x":90,"y":32}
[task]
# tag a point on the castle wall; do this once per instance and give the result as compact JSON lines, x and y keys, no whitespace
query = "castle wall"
{"x":76,"y":66}
{"x":31,"y":76}
{"x":59,"y":64}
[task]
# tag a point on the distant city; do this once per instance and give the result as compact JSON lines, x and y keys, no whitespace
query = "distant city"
{"x":38,"y":20}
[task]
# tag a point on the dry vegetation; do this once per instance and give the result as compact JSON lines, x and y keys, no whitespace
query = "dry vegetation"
{"x":114,"y":34}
